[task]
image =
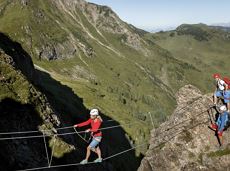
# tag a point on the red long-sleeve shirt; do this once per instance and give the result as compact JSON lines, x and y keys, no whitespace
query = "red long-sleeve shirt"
{"x":95,"y":125}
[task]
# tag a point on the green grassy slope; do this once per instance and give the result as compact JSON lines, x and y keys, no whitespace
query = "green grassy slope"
{"x":32,"y":100}
{"x":201,"y":46}
{"x":106,"y":62}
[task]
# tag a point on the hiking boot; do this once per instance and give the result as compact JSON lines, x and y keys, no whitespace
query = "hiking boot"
{"x":84,"y":162}
{"x":98,"y":160}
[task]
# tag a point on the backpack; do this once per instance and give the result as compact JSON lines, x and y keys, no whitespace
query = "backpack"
{"x":227,"y":81}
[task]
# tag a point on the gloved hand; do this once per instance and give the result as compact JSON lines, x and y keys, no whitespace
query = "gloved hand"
{"x":88,"y":130}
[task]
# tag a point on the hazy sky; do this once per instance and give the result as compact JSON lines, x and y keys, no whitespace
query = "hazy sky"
{"x":150,"y":14}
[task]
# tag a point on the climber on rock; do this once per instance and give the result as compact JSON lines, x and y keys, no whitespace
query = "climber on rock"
{"x":226,"y":93}
{"x":95,"y":121}
{"x":220,"y":86}
{"x":221,"y":123}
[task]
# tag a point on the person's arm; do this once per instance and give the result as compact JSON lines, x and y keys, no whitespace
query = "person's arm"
{"x":226,"y":86}
{"x":95,"y":126}
{"x":228,"y":106}
{"x":83,"y":123}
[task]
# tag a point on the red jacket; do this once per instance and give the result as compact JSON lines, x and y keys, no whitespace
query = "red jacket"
{"x":95,"y":125}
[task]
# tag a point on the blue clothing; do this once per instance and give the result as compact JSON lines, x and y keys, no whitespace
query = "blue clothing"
{"x":219,"y":93}
{"x":95,"y":142}
{"x":226,"y":96}
{"x":222,"y":120}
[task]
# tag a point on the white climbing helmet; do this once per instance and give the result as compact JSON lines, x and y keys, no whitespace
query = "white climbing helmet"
{"x":223,"y":108}
{"x":94,"y":112}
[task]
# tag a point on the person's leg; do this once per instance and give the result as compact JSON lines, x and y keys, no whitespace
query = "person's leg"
{"x":94,"y":150}
{"x":228,"y":106}
{"x":214,"y":99}
{"x":99,"y":159}
{"x":220,"y":137}
{"x":98,"y":151}
{"x":227,"y":99}
{"x":221,"y":140}
{"x":92,"y":146}
{"x":218,"y":94}
{"x":88,"y":153}
{"x":85,"y":161}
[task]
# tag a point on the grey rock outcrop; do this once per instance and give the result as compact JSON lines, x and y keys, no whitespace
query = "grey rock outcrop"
{"x":185,"y":142}
{"x":102,"y":19}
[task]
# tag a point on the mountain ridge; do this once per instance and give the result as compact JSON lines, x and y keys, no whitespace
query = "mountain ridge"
{"x":91,"y":61}
{"x":96,"y":60}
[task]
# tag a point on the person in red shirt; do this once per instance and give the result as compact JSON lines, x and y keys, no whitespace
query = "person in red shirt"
{"x":95,"y":122}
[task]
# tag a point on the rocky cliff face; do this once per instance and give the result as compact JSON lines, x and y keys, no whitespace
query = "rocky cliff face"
{"x":23,"y":107}
{"x":77,"y":24}
{"x":102,"y":18}
{"x":185,"y":142}
{"x":19,"y":77}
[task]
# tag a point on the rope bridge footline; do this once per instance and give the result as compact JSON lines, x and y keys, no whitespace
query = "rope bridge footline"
{"x":105,"y":159}
{"x":79,"y":164}
{"x":70,"y":133}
